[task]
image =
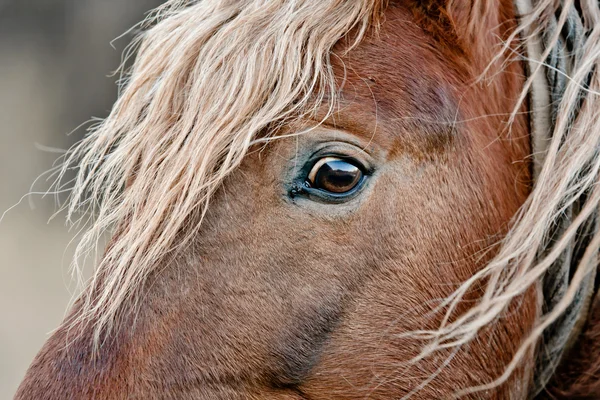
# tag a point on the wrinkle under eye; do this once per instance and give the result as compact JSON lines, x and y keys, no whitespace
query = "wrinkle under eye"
{"x":334,"y":175}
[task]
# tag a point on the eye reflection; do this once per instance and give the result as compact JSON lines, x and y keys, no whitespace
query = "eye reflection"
{"x":334,"y":175}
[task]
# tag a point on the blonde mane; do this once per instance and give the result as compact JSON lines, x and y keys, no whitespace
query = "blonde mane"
{"x":213,"y":76}
{"x":209,"y":78}
{"x":567,"y":171}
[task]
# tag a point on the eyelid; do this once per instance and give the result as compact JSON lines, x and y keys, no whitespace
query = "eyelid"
{"x":341,"y":150}
{"x":345,"y":152}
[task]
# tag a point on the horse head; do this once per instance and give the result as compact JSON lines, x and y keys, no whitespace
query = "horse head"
{"x":296,"y":190}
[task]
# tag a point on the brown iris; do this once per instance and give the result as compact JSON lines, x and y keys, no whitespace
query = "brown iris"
{"x":334,"y":175}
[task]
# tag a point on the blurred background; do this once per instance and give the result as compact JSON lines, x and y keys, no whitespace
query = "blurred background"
{"x":55,"y":58}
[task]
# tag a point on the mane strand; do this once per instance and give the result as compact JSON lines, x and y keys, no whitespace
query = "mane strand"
{"x":567,"y":173}
{"x":209,"y":78}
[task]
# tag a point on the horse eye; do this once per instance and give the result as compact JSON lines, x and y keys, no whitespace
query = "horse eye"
{"x":334,"y":175}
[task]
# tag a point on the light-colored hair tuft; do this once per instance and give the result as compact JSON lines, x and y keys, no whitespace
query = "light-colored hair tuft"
{"x":210,"y":76}
{"x":568,"y":173}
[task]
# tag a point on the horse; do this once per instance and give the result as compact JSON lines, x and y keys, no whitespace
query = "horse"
{"x":341,"y":199}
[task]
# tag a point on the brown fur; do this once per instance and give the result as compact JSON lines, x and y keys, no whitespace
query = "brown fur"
{"x":282,"y":299}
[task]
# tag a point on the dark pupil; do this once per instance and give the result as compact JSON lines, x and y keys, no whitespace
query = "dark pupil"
{"x":337,"y":176}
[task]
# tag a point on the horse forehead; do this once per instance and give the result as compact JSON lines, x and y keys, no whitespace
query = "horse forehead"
{"x":398,"y":79}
